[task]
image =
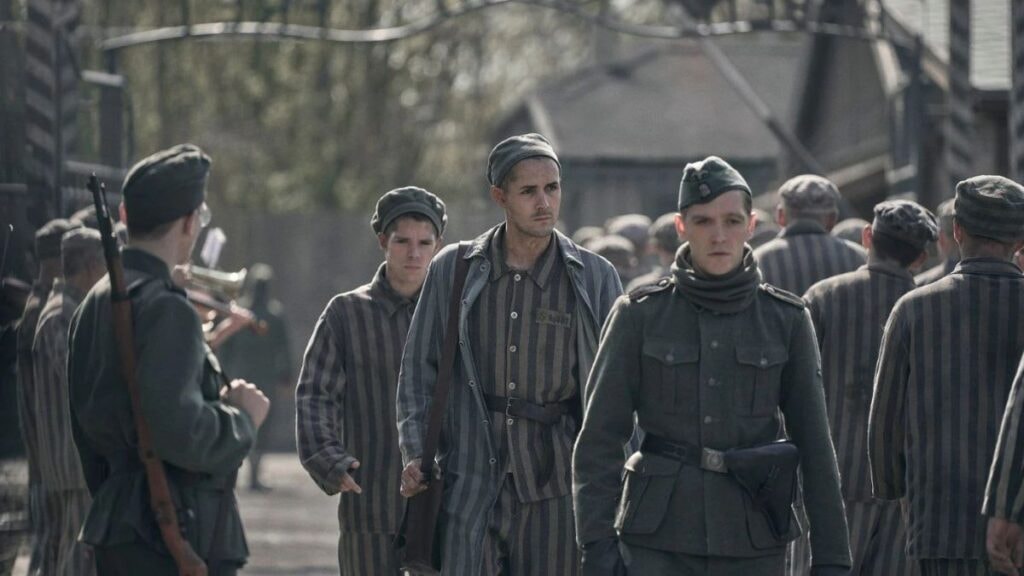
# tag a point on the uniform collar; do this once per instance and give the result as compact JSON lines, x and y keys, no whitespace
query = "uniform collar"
{"x":540,"y":274}
{"x":146,"y":263}
{"x":987,"y":267}
{"x":802,"y":227}
{"x":479,"y":247}
{"x":385,"y":295}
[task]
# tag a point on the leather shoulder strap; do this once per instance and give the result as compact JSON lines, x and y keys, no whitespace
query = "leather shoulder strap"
{"x":446,"y":368}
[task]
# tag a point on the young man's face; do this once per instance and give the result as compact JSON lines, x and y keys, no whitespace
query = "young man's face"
{"x":408,"y":249}
{"x":716,"y":232}
{"x":532,"y":197}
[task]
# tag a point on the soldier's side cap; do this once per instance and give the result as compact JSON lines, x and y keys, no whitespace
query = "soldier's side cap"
{"x":907,"y":222}
{"x":809,"y":194}
{"x":708,"y":179}
{"x":49,"y":236}
{"x":514,"y":150}
{"x":81,"y":240}
{"x":409,"y":200}
{"x":166,"y":185}
{"x":991,"y":207}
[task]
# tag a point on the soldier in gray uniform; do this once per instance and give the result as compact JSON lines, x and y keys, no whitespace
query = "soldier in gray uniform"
{"x":199,"y":428}
{"x":43,"y":514}
{"x":948,"y":357}
{"x":804,"y":252}
{"x":849,"y":312}
{"x":710,"y":491}
{"x":948,"y":249}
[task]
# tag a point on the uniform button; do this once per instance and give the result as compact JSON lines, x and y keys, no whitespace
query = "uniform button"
{"x":764,"y":361}
{"x":518,"y":277}
{"x":669,"y":357}
{"x":708,"y":419}
{"x":514,"y":315}
{"x":512,"y":348}
{"x":483,"y":266}
{"x":461,"y":343}
{"x":714,"y":343}
{"x":712,"y":382}
{"x":511,"y":385}
{"x":472,"y":384}
{"x":486,"y":422}
{"x":493,"y":461}
{"x":510,"y":421}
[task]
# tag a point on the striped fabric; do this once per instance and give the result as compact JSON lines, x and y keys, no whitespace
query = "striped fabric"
{"x":937,"y":272}
{"x":805,"y":253}
{"x":1004,"y":495}
{"x":345,"y":403}
{"x":60,"y":470}
{"x":849,"y":312}
{"x":521,"y":332}
{"x":948,"y":357}
{"x":468,"y":452}
{"x":530,"y":538}
{"x":364,"y":554}
{"x":26,"y":416}
{"x":942,"y":567}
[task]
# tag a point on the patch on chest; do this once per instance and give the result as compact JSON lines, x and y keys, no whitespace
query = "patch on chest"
{"x":553,"y":318}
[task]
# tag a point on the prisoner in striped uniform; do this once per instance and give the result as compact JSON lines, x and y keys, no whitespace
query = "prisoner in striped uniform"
{"x":1004,"y":496}
{"x":345,"y":400}
{"x":805,"y":252}
{"x":60,"y":470}
{"x":533,"y":306}
{"x":42,"y":514}
{"x":948,"y":250}
{"x":948,"y":357}
{"x":849,"y":312}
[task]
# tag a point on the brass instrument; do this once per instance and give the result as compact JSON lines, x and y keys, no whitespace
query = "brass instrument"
{"x":227,"y":285}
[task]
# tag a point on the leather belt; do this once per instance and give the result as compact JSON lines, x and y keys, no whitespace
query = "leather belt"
{"x":546,"y":414}
{"x":690,"y":454}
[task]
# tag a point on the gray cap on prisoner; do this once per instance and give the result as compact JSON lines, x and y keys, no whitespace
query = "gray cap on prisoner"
{"x":405,"y":201}
{"x":905,"y":221}
{"x":49,"y":236}
{"x":80,"y":242}
{"x":633,"y":227}
{"x":809,"y":194}
{"x":991,"y":207}
{"x":514,"y":150}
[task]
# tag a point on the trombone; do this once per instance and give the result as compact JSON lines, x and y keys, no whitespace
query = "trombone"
{"x":208,"y":288}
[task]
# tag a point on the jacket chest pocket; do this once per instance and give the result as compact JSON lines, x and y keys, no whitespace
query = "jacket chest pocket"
{"x":759,"y":379}
{"x":671,"y":376}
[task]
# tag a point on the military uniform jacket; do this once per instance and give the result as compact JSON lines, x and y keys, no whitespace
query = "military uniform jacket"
{"x":717,"y":381}
{"x":201,"y":441}
{"x":804,"y":253}
{"x":948,"y":357}
{"x":469,"y":452}
{"x":849,"y":312}
{"x":59,"y":468}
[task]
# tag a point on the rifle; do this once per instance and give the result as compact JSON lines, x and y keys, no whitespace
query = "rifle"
{"x":160,"y":501}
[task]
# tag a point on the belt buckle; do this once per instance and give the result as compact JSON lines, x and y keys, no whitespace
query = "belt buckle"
{"x":713,"y":460}
{"x":508,"y":407}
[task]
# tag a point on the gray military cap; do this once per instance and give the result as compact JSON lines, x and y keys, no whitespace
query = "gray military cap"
{"x":165,"y":186}
{"x":708,"y":179}
{"x":905,"y":221}
{"x":514,"y":150}
{"x":586,"y":235}
{"x":48,"y":237}
{"x":991,"y":207}
{"x":79,"y":242}
{"x":809,"y":194}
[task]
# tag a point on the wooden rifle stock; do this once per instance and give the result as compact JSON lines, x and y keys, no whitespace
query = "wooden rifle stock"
{"x":188,"y":562}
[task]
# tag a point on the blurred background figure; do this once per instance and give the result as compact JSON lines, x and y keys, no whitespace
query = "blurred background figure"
{"x":765,"y":228}
{"x":259,"y":357}
{"x":949,"y":251}
{"x":662,"y":243}
{"x":586,"y":235}
{"x":621,"y":253}
{"x":851,"y":230}
{"x":632,"y":227}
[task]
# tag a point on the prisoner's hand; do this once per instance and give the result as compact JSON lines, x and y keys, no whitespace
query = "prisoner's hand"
{"x":412,"y":479}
